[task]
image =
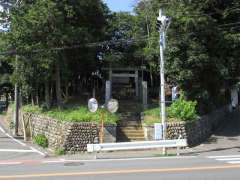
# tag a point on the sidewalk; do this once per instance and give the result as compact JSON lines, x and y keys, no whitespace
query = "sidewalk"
{"x":225,"y":140}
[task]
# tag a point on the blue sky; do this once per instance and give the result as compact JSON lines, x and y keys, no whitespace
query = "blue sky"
{"x":120,"y":5}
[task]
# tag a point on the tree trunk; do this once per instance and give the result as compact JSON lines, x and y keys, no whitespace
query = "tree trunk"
{"x":47,"y":96}
{"x":6,"y":94}
{"x":66,"y":91}
{"x":37,"y":94}
{"x":151,"y":77}
{"x":51,"y":93}
{"x":58,"y":85}
{"x":32,"y":99}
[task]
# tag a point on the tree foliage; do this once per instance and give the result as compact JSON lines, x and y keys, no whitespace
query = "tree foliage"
{"x":202,"y":54}
{"x":52,"y":38}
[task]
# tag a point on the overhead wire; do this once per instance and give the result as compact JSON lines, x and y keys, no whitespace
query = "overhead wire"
{"x":119,"y":41}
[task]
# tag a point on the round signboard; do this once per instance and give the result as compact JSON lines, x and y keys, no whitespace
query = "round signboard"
{"x":92,"y":105}
{"x":112,"y":105}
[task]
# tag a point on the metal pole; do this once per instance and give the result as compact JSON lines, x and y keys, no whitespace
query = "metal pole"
{"x":16,"y":98}
{"x":102,"y":127}
{"x":162,"y":82}
{"x":162,"y":100}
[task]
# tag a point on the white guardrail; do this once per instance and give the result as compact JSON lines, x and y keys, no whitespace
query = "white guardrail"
{"x":137,"y":145}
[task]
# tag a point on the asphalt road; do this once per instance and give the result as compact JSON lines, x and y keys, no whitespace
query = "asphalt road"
{"x":206,"y":168}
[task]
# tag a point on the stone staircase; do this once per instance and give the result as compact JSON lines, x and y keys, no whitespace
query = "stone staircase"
{"x":130,"y":128}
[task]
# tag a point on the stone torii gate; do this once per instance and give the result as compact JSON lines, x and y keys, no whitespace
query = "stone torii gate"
{"x":125,"y":73}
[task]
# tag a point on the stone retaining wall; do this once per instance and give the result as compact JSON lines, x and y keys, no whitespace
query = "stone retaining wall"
{"x":70,"y":136}
{"x":195,"y":132}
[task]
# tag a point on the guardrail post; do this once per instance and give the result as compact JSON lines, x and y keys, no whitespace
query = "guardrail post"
{"x":178,"y":149}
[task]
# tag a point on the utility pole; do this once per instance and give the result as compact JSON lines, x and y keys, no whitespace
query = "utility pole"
{"x":163,"y":23}
{"x":16,"y":98}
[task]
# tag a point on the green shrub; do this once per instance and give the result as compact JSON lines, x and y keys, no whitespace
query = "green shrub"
{"x":59,"y":151}
{"x":183,"y":110}
{"x":41,"y":140}
{"x":11,"y":125}
{"x":180,"y":110}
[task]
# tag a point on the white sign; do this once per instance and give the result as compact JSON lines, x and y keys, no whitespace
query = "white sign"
{"x":92,"y":105}
{"x":108,"y":92}
{"x":158,"y":131}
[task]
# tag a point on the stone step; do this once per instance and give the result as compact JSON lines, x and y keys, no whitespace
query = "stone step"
{"x":124,"y":129}
{"x":131,"y":140}
{"x":131,"y":128}
{"x":129,"y":117}
{"x":131,"y":131}
{"x":134,"y":136}
{"x":131,"y":136}
{"x":130,"y":123}
{"x":138,"y":139}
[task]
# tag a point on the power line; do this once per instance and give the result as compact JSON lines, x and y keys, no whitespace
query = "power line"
{"x":93,"y":44}
{"x":230,"y":28}
{"x":229,"y":24}
{"x":102,"y":44}
{"x":234,"y":8}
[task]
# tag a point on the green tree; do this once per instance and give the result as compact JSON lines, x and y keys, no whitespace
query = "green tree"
{"x":41,"y":28}
{"x":197,"y":46}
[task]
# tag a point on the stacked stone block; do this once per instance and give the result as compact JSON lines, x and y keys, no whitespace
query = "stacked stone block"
{"x":195,"y":132}
{"x":70,"y":136}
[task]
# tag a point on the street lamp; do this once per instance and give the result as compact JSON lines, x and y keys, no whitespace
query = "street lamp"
{"x":163,"y":22}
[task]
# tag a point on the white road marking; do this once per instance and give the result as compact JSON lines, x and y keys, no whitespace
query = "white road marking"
{"x":17,"y":141}
{"x":230,"y":159}
{"x":16,"y":150}
{"x":37,"y":151}
{"x":229,"y":156}
{"x":112,"y":160}
{"x":130,"y":159}
{"x":1,"y":129}
{"x":10,"y":163}
{"x":21,"y":143}
{"x":56,"y":161}
{"x":8,"y":135}
{"x":234,"y":162}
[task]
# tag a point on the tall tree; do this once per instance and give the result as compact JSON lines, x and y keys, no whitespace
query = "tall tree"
{"x":197,"y":45}
{"x":41,"y":28}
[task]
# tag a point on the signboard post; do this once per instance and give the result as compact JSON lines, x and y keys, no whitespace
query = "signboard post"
{"x":158,"y":131}
{"x":108,"y":91}
{"x":112,"y":107}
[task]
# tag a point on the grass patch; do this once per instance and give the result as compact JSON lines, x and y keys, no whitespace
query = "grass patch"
{"x":59,"y":152}
{"x":3,"y":113}
{"x":166,"y":155}
{"x":152,"y":116}
{"x":41,"y":140}
{"x":74,"y":114}
{"x":152,"y":112}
